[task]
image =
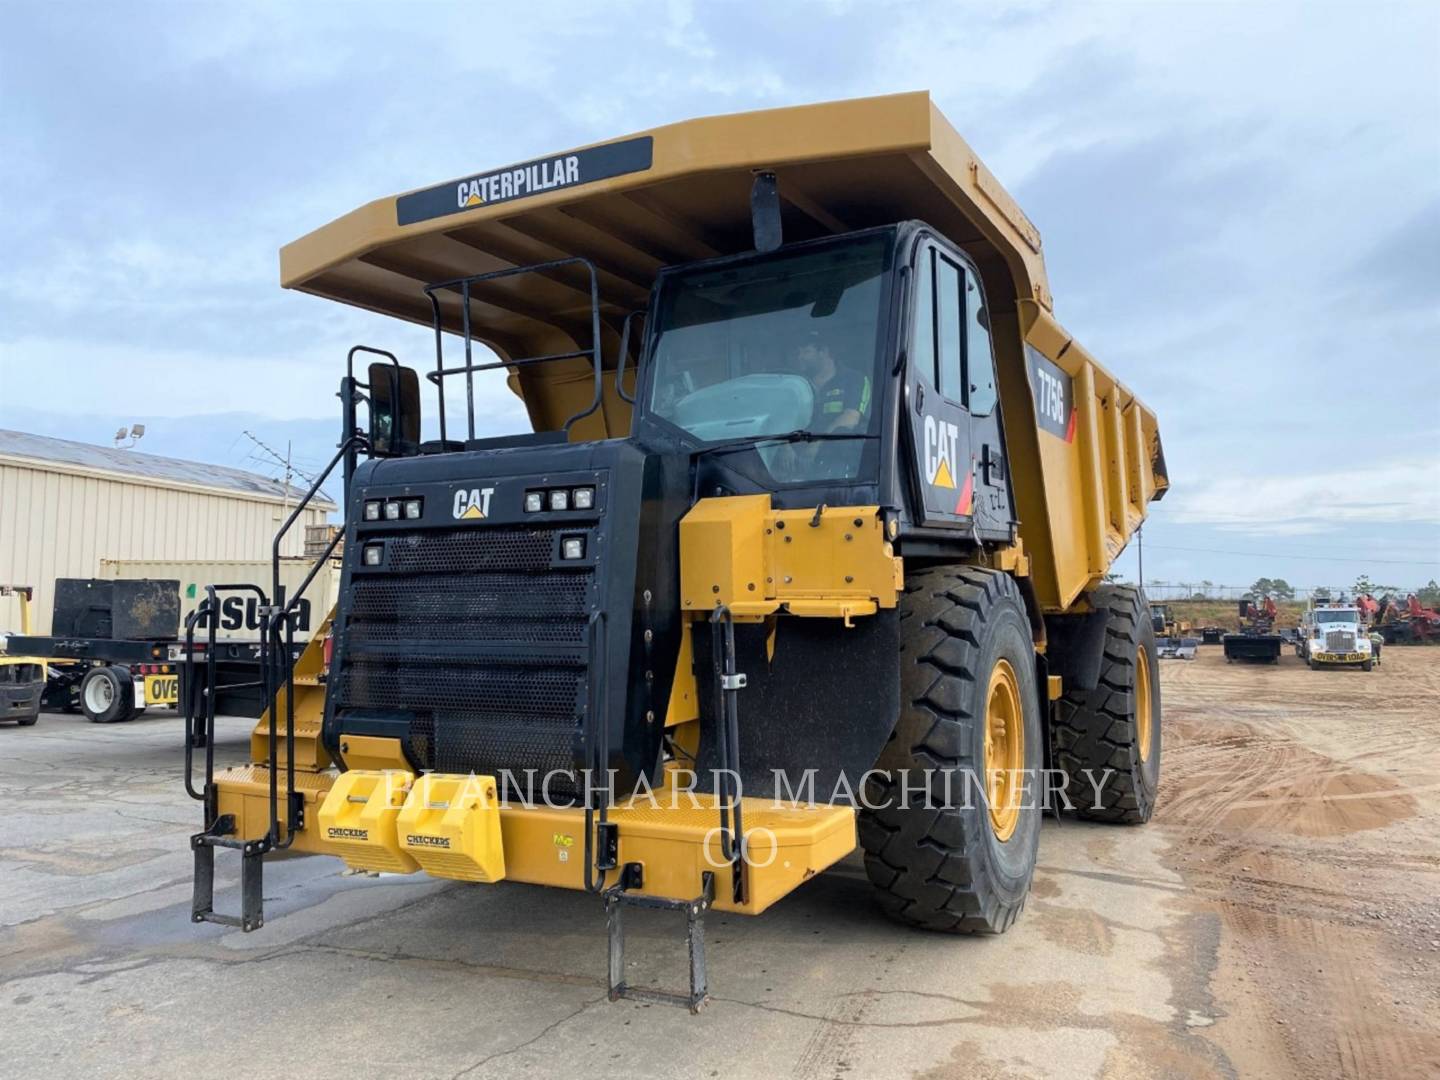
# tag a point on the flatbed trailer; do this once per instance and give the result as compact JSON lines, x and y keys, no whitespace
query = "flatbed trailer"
{"x":112,"y":680}
{"x":1255,"y":648}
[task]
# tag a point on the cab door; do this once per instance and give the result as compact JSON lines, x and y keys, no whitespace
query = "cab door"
{"x":939,"y":422}
{"x":993,"y":507}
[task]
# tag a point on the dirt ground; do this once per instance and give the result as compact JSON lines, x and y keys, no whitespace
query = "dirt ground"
{"x":1277,"y":919}
{"x":1301,"y":809}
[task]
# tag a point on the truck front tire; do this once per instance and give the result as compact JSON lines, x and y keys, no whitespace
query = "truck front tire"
{"x":1107,"y":740}
{"x":968,"y":736}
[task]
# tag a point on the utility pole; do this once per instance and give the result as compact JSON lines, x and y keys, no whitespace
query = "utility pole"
{"x":1139,"y":550}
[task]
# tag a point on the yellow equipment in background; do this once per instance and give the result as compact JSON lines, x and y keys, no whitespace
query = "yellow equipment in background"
{"x":22,"y":678}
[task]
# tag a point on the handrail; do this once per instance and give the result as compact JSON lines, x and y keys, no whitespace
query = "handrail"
{"x":624,"y":353}
{"x":350,"y":359}
{"x":209,"y":608}
{"x":597,"y":749}
{"x":463,"y":284}
{"x":281,"y":619}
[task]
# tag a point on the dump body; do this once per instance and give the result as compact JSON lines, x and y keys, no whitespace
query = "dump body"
{"x":1085,"y":453}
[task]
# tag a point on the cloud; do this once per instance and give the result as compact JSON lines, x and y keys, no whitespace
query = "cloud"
{"x":1240,"y":221}
{"x":1317,"y":502}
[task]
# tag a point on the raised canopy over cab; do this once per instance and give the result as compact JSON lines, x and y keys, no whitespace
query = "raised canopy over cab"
{"x":681,"y":193}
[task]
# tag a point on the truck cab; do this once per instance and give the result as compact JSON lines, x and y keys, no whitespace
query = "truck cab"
{"x":1334,"y":635}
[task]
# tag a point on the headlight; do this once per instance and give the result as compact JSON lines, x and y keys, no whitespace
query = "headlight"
{"x":572,"y":547}
{"x":372,"y":510}
{"x":560,"y":500}
{"x":584,"y":498}
{"x":534,"y":502}
{"x":413,"y":508}
{"x":373,"y":554}
{"x":392,"y":510}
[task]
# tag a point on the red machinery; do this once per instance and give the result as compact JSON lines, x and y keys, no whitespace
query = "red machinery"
{"x":1410,"y":623}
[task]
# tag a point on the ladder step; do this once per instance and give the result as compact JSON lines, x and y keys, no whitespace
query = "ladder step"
{"x":616,"y":900}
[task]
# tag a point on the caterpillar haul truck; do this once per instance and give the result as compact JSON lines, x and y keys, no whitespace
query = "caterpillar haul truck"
{"x":803,"y":552}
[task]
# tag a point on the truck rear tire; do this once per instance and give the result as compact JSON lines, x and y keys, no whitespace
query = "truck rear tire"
{"x":106,"y":697}
{"x":939,"y":856}
{"x":1115,"y":726}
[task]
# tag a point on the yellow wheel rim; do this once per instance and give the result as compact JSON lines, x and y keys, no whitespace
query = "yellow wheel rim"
{"x":1144,"y":729}
{"x":1004,"y":749}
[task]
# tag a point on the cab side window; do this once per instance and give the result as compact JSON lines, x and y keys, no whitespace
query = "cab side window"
{"x":948,"y":308}
{"x":979,"y":359}
{"x":923,"y":350}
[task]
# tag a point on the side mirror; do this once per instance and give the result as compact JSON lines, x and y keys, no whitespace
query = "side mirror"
{"x":394,"y":410}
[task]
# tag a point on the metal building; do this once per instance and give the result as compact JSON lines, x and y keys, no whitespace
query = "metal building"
{"x":64,"y":506}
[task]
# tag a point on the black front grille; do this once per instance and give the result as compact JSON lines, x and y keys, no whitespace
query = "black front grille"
{"x":471,"y":550}
{"x":495,"y":607}
{"x":480,"y":638}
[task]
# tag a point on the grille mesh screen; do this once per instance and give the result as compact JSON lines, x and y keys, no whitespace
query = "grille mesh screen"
{"x":428,"y":638}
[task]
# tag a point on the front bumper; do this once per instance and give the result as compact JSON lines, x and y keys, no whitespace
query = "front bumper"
{"x":1340,"y":658}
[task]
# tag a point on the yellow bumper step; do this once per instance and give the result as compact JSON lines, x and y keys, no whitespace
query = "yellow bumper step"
{"x":455,"y":827}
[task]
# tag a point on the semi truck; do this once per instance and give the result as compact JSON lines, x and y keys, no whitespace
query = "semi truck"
{"x":115,"y":644}
{"x":1334,"y":635}
{"x":803,"y":551}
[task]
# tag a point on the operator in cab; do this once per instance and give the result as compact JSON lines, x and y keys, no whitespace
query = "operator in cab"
{"x":842,"y":395}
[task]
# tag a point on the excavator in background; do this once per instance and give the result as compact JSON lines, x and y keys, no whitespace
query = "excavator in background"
{"x":1407,"y":622}
{"x":1255,"y":640}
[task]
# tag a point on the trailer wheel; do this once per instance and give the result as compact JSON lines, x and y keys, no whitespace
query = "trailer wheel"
{"x":952,"y":819}
{"x":1116,"y":726}
{"x":105,"y":697}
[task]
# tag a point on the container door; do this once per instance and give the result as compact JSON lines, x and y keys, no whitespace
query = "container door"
{"x":940,"y":424}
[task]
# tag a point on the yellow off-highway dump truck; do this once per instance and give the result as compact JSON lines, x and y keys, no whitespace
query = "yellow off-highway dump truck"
{"x":804,"y":550}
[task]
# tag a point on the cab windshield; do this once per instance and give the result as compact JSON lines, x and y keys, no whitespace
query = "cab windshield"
{"x":1340,"y":615}
{"x":777,"y":355}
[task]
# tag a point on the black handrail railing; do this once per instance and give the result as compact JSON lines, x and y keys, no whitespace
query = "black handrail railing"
{"x":597,"y":759}
{"x":282,"y":619}
{"x":463,"y":284}
{"x":624,"y":355}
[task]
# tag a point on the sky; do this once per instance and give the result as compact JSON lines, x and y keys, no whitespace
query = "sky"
{"x":1240,"y":205}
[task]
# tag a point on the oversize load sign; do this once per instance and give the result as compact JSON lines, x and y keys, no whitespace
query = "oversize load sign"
{"x":531,"y":178}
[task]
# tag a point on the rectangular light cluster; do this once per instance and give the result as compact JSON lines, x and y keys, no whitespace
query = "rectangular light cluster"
{"x":580,"y":498}
{"x":407,"y":508}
